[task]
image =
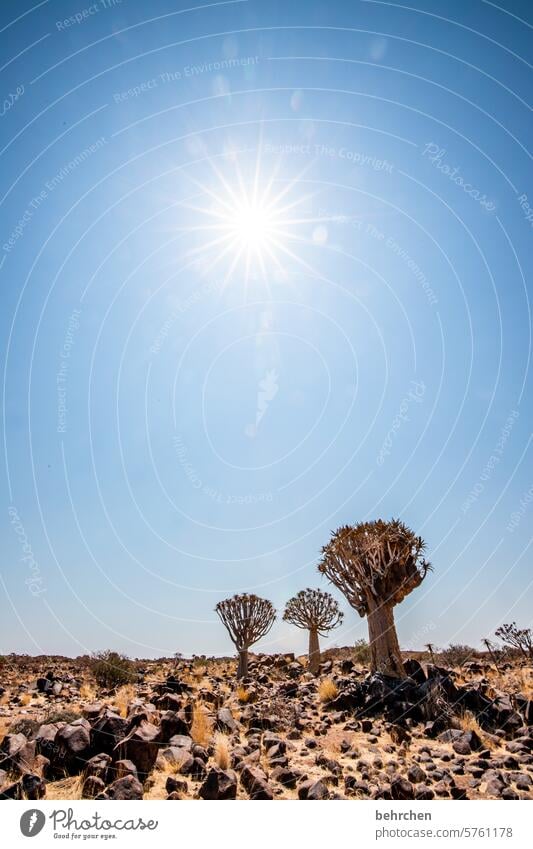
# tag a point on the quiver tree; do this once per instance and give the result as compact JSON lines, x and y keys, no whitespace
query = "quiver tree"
{"x":247,"y":619}
{"x":319,"y":613}
{"x":517,"y":638}
{"x":376,"y":565}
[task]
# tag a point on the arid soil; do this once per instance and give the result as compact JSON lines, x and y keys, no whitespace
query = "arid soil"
{"x":188,"y":730}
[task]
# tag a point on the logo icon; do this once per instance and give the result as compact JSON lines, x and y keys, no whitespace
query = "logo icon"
{"x":32,"y":822}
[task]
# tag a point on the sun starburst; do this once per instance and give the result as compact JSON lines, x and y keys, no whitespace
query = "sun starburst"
{"x":248,"y":224}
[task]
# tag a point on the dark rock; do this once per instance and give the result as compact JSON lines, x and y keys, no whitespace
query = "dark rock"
{"x":140,"y":745}
{"x":72,"y":745}
{"x":225,"y":721}
{"x":255,"y":783}
{"x":173,"y":723}
{"x":107,"y":731}
{"x":123,"y":768}
{"x":98,"y":766}
{"x":316,"y":792}
{"x":175,"y":785}
{"x":415,"y":670}
{"x":285,"y":776}
{"x":416,"y":774}
{"x":17,"y":754}
{"x":33,"y":786}
{"x":125,"y":788}
{"x":401,"y":788}
{"x":219,"y":784}
{"x":92,"y":786}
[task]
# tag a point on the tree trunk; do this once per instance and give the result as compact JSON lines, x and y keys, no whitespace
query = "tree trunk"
{"x":314,"y":651}
{"x":384,"y":647}
{"x":242,"y":669}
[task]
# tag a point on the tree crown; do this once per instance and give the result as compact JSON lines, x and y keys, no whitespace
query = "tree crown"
{"x":313,"y":609}
{"x":374,"y":563}
{"x":247,"y":618}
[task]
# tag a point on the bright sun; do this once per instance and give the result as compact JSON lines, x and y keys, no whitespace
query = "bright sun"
{"x":248,"y":225}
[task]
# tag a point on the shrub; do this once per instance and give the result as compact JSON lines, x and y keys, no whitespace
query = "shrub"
{"x":362,"y":652}
{"x":457,"y":654}
{"x":56,"y":716}
{"x":111,"y":669}
{"x":26,"y":726}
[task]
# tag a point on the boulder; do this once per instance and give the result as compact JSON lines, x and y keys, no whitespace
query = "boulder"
{"x":173,"y":723}
{"x":140,"y":745}
{"x":401,"y":788}
{"x":72,"y":745}
{"x":123,"y":768}
{"x":125,"y":789}
{"x":92,"y":786}
{"x":225,"y":721}
{"x":17,"y":754}
{"x":98,"y":766}
{"x":219,"y":784}
{"x":33,"y":786}
{"x":313,"y":791}
{"x":108,"y":729}
{"x":254,"y":781}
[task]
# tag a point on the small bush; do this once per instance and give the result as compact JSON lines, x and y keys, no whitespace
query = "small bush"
{"x":362,"y":652}
{"x":54,"y":716}
{"x":111,"y":669}
{"x":457,"y":654}
{"x":327,"y":690}
{"x":28,"y":727}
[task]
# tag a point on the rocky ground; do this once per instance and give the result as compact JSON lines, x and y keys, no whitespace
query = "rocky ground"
{"x":187,"y":730}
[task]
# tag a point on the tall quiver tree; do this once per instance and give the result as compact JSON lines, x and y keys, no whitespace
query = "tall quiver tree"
{"x":376,"y":565}
{"x":247,"y":618}
{"x":319,"y":613}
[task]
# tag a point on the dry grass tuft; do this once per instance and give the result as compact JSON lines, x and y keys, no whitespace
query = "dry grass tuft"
{"x":88,"y":692}
{"x":66,"y":788}
{"x":469,"y":722}
{"x":201,"y":728}
{"x":222,"y":753}
{"x":25,"y":699}
{"x":243,"y":695}
{"x":327,"y":690}
{"x":123,"y":697}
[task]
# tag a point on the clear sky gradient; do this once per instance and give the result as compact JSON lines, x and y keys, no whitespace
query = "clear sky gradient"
{"x":177,"y":426}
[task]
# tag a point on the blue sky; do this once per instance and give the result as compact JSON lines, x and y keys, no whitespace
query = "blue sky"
{"x":178,"y":427}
